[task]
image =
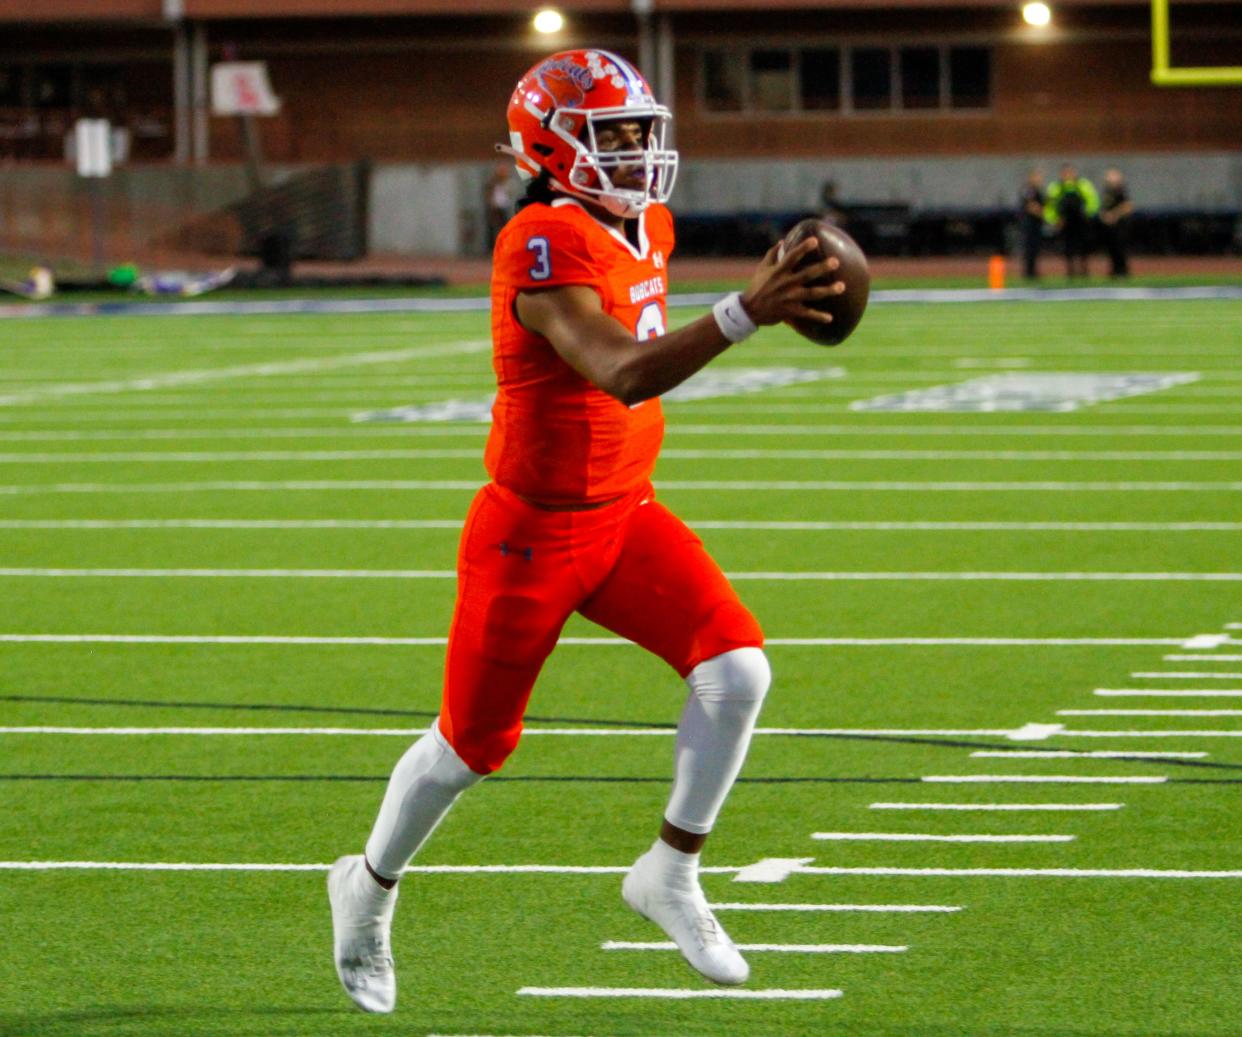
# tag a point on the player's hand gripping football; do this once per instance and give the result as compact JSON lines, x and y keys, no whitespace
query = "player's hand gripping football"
{"x":779,"y":291}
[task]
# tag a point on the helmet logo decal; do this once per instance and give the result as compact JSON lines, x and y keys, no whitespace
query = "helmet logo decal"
{"x":565,"y":82}
{"x":620,"y":73}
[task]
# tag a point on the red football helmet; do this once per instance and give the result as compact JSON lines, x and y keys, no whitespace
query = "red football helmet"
{"x":553,"y":115}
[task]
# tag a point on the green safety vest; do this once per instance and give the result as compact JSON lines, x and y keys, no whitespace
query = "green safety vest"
{"x":1083,"y":187}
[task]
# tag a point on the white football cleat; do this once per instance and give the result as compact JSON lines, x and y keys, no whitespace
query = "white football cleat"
{"x":361,"y":924}
{"x":677,"y":905}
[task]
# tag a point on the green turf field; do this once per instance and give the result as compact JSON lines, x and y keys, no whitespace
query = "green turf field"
{"x":195,"y":536}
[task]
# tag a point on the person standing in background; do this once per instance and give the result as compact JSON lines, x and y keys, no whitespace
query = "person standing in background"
{"x":499,"y":197}
{"x":1031,"y":217}
{"x":1116,"y":210}
{"x":831,"y":209}
{"x":1072,"y":203}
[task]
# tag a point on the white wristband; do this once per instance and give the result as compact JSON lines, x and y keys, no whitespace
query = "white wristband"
{"x":732,"y":319}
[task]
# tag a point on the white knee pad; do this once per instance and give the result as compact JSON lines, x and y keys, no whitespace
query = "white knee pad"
{"x":726,"y":693}
{"x":742,"y":675}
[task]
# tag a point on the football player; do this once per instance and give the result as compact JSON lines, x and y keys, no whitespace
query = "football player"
{"x":39,"y":285}
{"x":569,"y":522}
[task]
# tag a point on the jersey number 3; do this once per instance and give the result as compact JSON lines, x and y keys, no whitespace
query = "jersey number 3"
{"x":650,"y":321}
{"x":542,"y":268}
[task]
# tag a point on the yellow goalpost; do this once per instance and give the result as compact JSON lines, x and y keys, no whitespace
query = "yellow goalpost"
{"x":1163,"y":75}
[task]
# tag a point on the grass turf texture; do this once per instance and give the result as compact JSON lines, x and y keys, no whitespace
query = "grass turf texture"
{"x":206,"y":953}
{"x":1051,"y":280}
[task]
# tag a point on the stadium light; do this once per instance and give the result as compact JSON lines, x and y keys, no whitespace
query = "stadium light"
{"x":1036,"y":13}
{"x":549,"y":20}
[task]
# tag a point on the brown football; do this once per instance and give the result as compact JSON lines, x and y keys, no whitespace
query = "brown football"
{"x":848,"y":307}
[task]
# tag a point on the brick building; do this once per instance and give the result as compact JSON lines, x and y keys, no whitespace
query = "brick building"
{"x":935,"y":102}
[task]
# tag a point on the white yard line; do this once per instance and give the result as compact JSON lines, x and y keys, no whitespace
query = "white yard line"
{"x":1070,"y":754}
{"x":352,"y":400}
{"x":775,"y":525}
{"x":1043,"y":779}
{"x":729,"y":486}
{"x":1170,"y":693}
{"x":1183,"y":675}
{"x":1031,"y":873}
{"x":813,"y":577}
{"x":1149,"y":712}
{"x":161,"y":379}
{"x":1115,"y":577}
{"x":809,"y":642}
{"x":231,"y":486}
{"x":998,"y":806}
{"x":217,"y":456}
{"x":476,"y":429}
{"x":671,"y":453}
{"x":163,"y":414}
{"x":732,"y":994}
{"x":778,"y":948}
{"x":275,"y":524}
{"x":425,"y":869}
{"x":906,"y":837}
{"x":1210,"y":641}
{"x":1024,"y":733}
{"x":230,"y":639}
{"x":404,"y":732}
{"x":759,"y":453}
{"x":873,"y":908}
{"x":1201,"y":658}
{"x":278,"y":574}
{"x":380,"y":430}
{"x":822,"y":408}
{"x":967,"y":527}
{"x":153,"y":866}
{"x":1193,"y":733}
{"x":780,"y":642}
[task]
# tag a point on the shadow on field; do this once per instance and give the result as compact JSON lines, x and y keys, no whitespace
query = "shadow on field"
{"x":115,"y":1020}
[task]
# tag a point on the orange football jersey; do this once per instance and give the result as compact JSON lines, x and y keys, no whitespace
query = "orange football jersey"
{"x":555,"y":437}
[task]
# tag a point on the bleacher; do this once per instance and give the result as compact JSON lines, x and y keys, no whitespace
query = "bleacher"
{"x":889,"y":229}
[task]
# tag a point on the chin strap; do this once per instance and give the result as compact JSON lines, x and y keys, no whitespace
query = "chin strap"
{"x":521,"y":157}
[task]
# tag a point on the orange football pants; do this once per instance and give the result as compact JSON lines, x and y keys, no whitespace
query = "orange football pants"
{"x":632,"y":567}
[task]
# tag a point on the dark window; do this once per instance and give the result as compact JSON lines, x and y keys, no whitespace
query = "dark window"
{"x":821,"y":80}
{"x":871,"y":74}
{"x":102,"y":91}
{"x":53,"y":86}
{"x":970,"y":77}
{"x":10,"y":87}
{"x":771,"y":80}
{"x":722,"y":81}
{"x":920,"y":77}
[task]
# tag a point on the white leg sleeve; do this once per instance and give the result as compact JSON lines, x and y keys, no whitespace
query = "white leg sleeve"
{"x":726,"y":694}
{"x":424,"y":784}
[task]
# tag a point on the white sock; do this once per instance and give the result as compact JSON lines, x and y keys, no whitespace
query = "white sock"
{"x":370,"y":891}
{"x":424,"y":784}
{"x":726,"y":693}
{"x":671,"y":866}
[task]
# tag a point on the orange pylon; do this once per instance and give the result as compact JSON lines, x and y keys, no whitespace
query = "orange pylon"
{"x":996,"y":273}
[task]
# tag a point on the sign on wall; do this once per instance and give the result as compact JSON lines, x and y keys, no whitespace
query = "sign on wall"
{"x":242,"y":88}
